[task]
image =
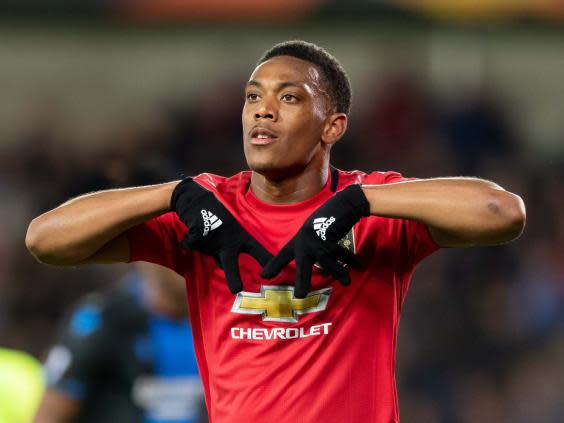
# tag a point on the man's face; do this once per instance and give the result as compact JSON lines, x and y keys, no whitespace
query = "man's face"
{"x":284,"y":116}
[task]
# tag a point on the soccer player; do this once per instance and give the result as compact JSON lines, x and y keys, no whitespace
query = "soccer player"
{"x":126,"y":356}
{"x":286,"y":340}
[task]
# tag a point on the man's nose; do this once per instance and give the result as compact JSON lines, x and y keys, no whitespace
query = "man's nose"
{"x":267,"y":110}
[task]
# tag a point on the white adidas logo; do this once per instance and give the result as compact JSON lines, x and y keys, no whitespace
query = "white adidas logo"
{"x":211,"y":221}
{"x":321,"y":224}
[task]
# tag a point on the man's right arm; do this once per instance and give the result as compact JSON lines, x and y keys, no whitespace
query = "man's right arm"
{"x":90,"y":228}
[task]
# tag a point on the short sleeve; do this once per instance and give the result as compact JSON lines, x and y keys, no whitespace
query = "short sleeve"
{"x":74,"y":362}
{"x":415,"y":237}
{"x":158,"y":241}
{"x":419,"y":241}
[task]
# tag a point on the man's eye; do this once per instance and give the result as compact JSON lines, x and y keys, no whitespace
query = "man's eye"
{"x":252,"y":97}
{"x":289,"y":98}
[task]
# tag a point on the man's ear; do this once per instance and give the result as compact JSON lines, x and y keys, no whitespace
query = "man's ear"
{"x":334,"y":128}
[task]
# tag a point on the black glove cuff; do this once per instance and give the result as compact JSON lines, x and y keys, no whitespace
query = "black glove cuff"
{"x":354,"y":195}
{"x":181,"y":188}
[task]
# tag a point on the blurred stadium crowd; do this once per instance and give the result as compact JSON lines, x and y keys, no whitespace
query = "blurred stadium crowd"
{"x":482,"y":334}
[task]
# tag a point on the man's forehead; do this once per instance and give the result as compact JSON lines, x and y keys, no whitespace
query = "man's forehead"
{"x":283,"y":69}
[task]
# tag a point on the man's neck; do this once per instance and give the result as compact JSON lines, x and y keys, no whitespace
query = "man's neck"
{"x":293,"y":189}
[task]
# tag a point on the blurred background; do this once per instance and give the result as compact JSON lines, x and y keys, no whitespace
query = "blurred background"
{"x":102,"y":94}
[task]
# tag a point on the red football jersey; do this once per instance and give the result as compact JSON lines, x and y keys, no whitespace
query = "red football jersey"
{"x":264,"y":355}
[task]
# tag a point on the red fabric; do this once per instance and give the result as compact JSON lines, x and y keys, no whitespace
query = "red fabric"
{"x":340,"y":367}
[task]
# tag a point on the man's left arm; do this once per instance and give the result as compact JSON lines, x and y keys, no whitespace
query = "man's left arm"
{"x":458,"y":211}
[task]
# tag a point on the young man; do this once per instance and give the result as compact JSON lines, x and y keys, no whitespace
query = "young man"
{"x":292,"y":345}
{"x":126,"y":356}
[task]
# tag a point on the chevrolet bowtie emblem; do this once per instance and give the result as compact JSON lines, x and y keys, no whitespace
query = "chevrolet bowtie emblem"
{"x":277,"y":303}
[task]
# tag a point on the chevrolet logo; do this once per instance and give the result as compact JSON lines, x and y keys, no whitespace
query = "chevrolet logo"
{"x":277,"y":303}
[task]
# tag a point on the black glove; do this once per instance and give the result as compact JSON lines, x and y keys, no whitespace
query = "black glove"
{"x":212,"y":230}
{"x":317,"y":240}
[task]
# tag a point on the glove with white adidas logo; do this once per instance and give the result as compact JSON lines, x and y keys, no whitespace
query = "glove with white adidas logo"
{"x":212,"y":230}
{"x":317,"y":240}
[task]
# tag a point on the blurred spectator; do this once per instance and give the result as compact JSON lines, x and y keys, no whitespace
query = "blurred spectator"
{"x":396,"y":122}
{"x":476,"y":129}
{"x":126,"y":356}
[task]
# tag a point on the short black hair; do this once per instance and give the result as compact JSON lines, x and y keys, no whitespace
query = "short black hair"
{"x":336,"y":79}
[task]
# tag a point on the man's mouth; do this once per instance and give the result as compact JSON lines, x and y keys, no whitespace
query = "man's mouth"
{"x":262,"y":136}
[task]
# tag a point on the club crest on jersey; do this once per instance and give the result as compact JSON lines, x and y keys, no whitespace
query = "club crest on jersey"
{"x":276,"y":303}
{"x":347,"y":242}
{"x":211,"y":221}
{"x":320,"y":226}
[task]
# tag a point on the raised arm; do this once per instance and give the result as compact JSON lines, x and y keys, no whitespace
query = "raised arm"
{"x":89,"y":228}
{"x":458,"y":211}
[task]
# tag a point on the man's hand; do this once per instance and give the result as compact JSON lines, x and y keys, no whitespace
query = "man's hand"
{"x":212,"y":230}
{"x":317,"y":240}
